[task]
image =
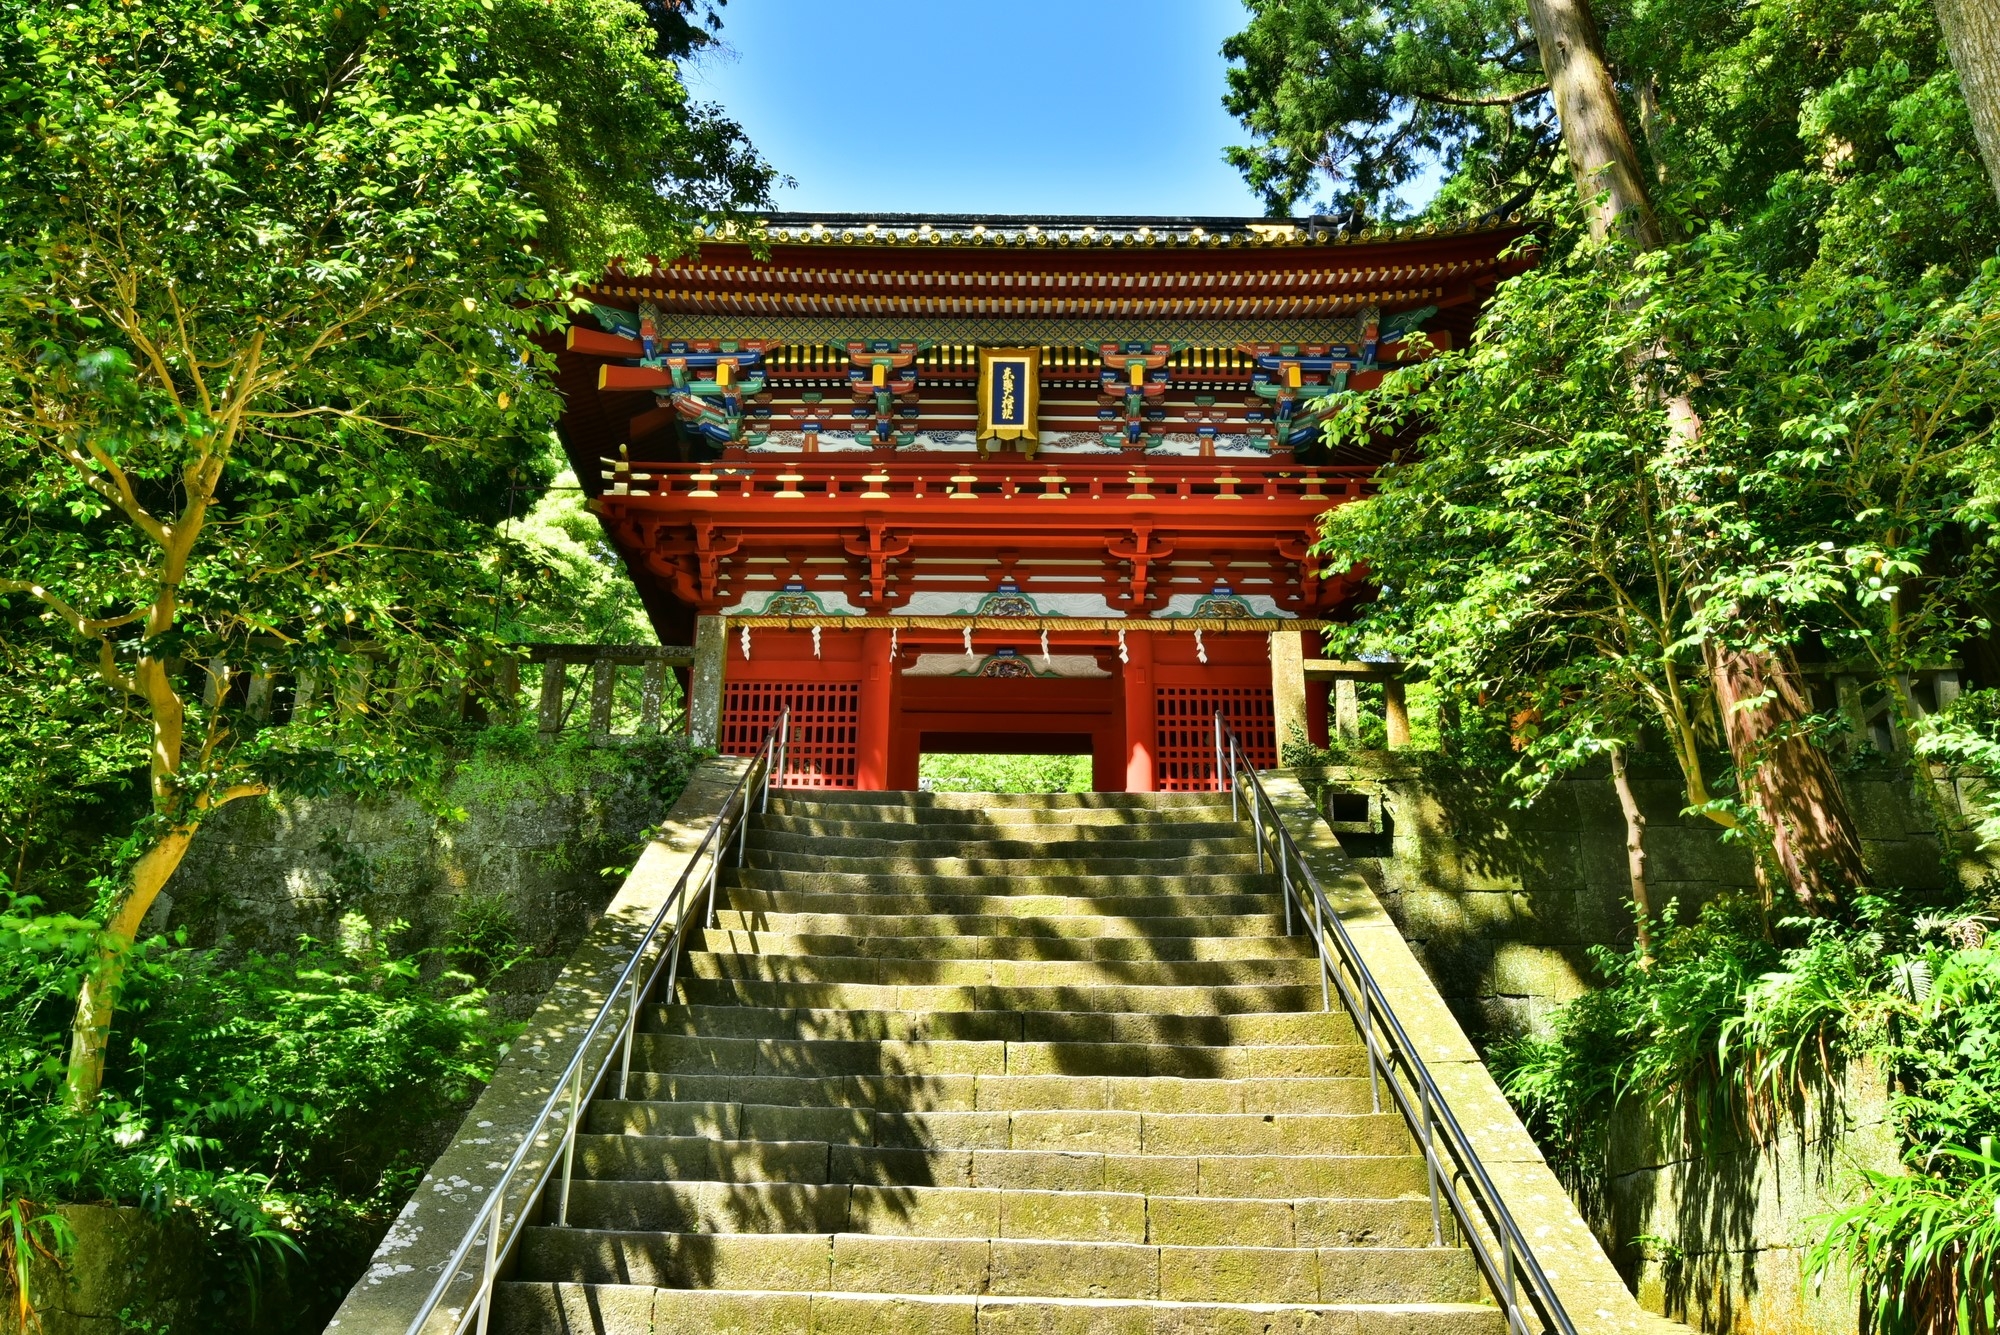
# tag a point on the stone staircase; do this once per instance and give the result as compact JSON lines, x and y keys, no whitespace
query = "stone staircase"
{"x":977,"y":1063}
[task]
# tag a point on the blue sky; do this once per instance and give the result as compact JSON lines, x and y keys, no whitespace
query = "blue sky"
{"x":967,"y":106}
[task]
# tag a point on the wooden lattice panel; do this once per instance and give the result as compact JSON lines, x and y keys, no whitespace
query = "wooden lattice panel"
{"x":1186,"y":732}
{"x":824,"y":733}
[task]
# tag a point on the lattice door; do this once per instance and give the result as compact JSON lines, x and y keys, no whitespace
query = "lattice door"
{"x":824,"y":734}
{"x":1186,"y":760}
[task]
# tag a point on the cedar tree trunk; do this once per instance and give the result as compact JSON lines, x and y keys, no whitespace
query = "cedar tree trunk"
{"x":1796,"y":794}
{"x":1972,"y":35}
{"x":1791,"y":782}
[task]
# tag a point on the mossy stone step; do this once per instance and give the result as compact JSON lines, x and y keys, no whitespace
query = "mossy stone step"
{"x":1090,"y":927}
{"x":1103,"y":1131}
{"x":1017,"y":1026}
{"x":954,"y":1212}
{"x":1056,"y":844}
{"x":544,"y":1308}
{"x":1140,"y":805}
{"x":1165,"y":863}
{"x":1003,"y":973}
{"x":996,"y":947}
{"x":1109,"y":827}
{"x":1029,"y":902}
{"x":913,"y":996}
{"x":623,"y":1156}
{"x":864,"y":1263}
{"x":706,"y":1096}
{"x":1067,"y":885}
{"x":780,"y":1056}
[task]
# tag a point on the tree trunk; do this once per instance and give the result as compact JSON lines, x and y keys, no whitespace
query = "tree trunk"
{"x":97,"y":1001}
{"x":1635,"y":851}
{"x":1791,"y":782}
{"x":1972,"y":35}
{"x":1796,"y":794}
{"x":1601,"y":154}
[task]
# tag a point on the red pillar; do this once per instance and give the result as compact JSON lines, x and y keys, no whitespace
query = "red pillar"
{"x":1140,"y":728}
{"x":876,"y":715}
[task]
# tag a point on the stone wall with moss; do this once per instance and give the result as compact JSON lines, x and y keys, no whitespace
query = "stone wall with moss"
{"x":1719,"y":1239}
{"x":1504,"y":903}
{"x":521,"y":842}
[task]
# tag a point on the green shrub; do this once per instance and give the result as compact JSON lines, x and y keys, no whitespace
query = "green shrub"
{"x":1736,"y":1034}
{"x":288,"y":1101}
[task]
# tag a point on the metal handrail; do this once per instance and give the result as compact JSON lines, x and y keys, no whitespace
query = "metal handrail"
{"x":634,"y":983}
{"x":1515,"y":1273}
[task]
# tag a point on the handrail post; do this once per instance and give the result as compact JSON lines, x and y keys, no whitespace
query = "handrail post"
{"x":714,"y":874}
{"x":743,"y":831}
{"x":1507,"y":1269}
{"x":1216,"y":720}
{"x":1284,"y":870}
{"x":1368,"y":1041}
{"x":1257,"y":831}
{"x":1431,"y":1164}
{"x":784,"y":740}
{"x":674,"y":961}
{"x":1320,"y":907}
{"x":487,"y":1272}
{"x":632,"y":1031}
{"x":569,"y":1147}
{"x":1232,"y":778}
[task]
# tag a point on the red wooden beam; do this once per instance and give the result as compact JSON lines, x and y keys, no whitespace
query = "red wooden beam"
{"x":596,"y":343}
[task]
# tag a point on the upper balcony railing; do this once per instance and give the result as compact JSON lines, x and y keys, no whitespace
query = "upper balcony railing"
{"x":1054,"y":478}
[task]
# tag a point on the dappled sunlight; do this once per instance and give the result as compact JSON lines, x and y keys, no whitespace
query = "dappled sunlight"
{"x":965,"y":1044}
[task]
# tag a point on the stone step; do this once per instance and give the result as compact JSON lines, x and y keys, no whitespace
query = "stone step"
{"x":1016,"y":1026}
{"x":887,"y":945}
{"x":995,"y":1093}
{"x":1057,"y":845}
{"x":624,"y":1156}
{"x":865,"y":1263}
{"x":1101,"y":1131}
{"x":874,"y":996}
{"x":1021,"y":1065}
{"x":1080,"y":885}
{"x":1096,"y":827}
{"x":548,"y":1308}
{"x":1001,"y":973}
{"x":917,"y":806}
{"x":895,"y":925}
{"x":1161,"y":903}
{"x":964,"y":1212}
{"x":779,"y":1056}
{"x":1165,"y":864}
{"x":1237,"y":1178}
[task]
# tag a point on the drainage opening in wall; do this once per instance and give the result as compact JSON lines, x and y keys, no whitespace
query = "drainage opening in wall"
{"x":1361,"y":820}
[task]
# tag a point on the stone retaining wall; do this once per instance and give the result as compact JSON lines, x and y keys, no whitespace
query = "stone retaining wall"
{"x":1719,"y":1239}
{"x":1503,"y":904}
{"x":541,"y":851}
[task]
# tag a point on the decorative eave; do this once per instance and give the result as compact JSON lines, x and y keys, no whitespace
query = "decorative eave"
{"x":1078,"y":231}
{"x":1080,"y":269}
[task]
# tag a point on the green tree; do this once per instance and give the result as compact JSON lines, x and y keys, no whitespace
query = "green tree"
{"x":1557,"y":547}
{"x":1704,"y":83}
{"x":268,"y":273}
{"x":1357,"y":99}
